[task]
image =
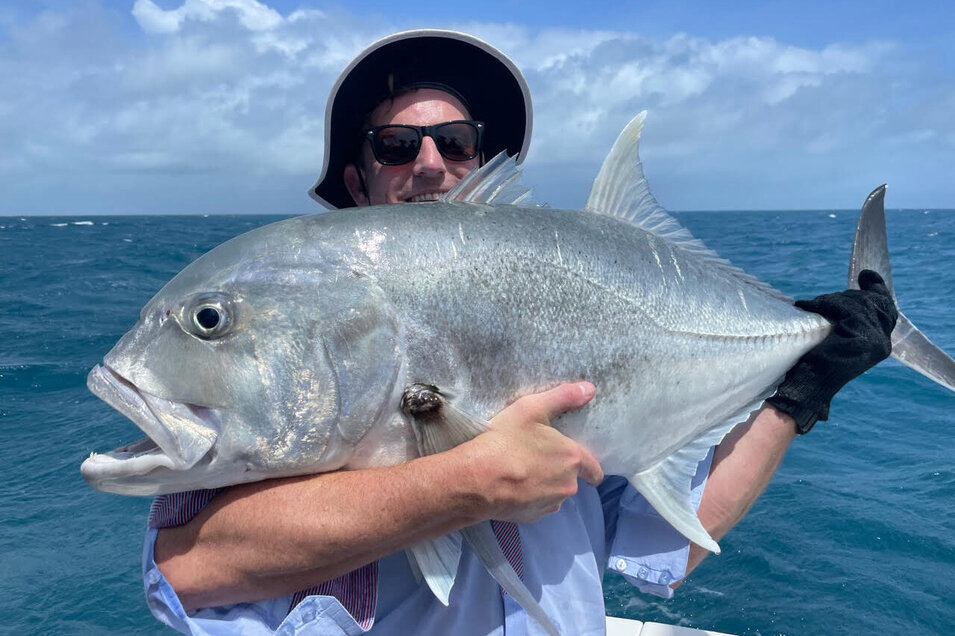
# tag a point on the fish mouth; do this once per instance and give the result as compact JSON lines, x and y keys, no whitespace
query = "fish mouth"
{"x":178,"y":434}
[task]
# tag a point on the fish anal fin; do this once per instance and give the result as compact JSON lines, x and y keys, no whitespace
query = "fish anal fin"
{"x":667,"y":486}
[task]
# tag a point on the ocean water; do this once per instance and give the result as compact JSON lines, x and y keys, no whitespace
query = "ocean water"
{"x":855,"y":534}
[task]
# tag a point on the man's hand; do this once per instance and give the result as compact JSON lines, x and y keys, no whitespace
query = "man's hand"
{"x":862,"y":322}
{"x":527,"y":467}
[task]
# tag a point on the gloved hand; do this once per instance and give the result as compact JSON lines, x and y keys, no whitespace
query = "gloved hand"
{"x":862,"y":322}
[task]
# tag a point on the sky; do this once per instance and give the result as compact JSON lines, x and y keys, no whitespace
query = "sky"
{"x":217,"y":106}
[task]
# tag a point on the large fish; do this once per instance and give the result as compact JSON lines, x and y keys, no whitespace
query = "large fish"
{"x":288,"y":350}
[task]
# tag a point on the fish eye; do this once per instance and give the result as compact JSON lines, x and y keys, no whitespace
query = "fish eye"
{"x":210,"y":316}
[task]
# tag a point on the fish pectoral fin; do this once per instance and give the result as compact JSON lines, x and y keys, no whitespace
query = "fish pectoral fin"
{"x":438,"y":425}
{"x":480,"y":537}
{"x":437,"y":562}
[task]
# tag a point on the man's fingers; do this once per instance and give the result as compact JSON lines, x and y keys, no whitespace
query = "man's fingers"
{"x":563,"y":398}
{"x":868,"y":278}
{"x":871,"y":281}
{"x":560,"y":399}
{"x":590,"y":470}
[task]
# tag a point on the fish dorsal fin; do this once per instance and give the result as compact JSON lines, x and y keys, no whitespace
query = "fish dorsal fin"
{"x":621,"y":191}
{"x":498,"y":181}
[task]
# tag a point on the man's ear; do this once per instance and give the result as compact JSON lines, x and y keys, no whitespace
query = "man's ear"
{"x":353,"y":183}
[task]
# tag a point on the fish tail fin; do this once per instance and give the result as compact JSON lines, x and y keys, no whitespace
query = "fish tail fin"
{"x":870,"y":251}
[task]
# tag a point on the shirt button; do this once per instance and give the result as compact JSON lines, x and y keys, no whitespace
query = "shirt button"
{"x":308,"y":616}
{"x":664,"y":578}
{"x":621,"y":565}
{"x":643,"y":573}
{"x":153,"y":577}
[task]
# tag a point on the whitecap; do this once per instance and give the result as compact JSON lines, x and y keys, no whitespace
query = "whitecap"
{"x":82,"y":223}
{"x":128,"y":240}
{"x":832,"y":216}
{"x":59,"y":224}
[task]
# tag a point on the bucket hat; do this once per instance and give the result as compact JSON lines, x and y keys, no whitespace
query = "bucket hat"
{"x":490,"y":85}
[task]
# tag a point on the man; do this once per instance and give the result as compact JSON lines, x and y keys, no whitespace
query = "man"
{"x":403,"y":124}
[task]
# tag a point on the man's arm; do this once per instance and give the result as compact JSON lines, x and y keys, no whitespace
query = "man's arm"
{"x":276,"y":537}
{"x":744,"y":462}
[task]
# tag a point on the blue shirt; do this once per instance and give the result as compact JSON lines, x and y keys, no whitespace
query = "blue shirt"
{"x":563,"y":559}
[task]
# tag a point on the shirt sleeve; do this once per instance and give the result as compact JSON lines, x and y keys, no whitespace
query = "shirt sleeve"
{"x":175,"y":510}
{"x":244,"y":618}
{"x":644,"y":548}
{"x":291,"y":614}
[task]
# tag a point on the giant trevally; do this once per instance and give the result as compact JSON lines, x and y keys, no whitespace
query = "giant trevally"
{"x":289,"y":349}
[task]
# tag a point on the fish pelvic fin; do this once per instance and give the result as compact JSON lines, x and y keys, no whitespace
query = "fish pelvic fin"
{"x":621,"y":191}
{"x":498,"y":181}
{"x":437,"y":562}
{"x":440,"y":427}
{"x":481,"y":539}
{"x":870,"y":251}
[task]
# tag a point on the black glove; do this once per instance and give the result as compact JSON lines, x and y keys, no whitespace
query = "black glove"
{"x":862,"y":322}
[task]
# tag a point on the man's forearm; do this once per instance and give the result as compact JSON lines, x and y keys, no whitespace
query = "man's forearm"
{"x":276,"y":537}
{"x":743,"y":464}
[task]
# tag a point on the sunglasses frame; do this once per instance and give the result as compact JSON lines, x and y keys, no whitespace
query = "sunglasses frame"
{"x":426,"y":131}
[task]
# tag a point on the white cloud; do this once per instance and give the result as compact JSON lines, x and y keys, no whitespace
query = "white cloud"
{"x":235,"y":91}
{"x":251,"y":14}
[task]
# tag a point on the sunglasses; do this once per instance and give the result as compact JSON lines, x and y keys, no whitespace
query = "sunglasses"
{"x":397,"y":144}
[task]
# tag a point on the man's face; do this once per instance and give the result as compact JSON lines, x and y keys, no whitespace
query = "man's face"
{"x":429,"y":174}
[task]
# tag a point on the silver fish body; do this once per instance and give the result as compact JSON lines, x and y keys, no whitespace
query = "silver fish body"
{"x":330,"y":316}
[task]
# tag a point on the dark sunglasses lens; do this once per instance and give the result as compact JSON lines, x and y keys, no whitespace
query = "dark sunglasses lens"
{"x":457,"y":141}
{"x":395,"y":145}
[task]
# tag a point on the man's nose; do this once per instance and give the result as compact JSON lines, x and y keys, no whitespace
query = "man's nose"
{"x":429,"y":161}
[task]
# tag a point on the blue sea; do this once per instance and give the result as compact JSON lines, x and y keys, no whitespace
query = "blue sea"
{"x":855,"y":534}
